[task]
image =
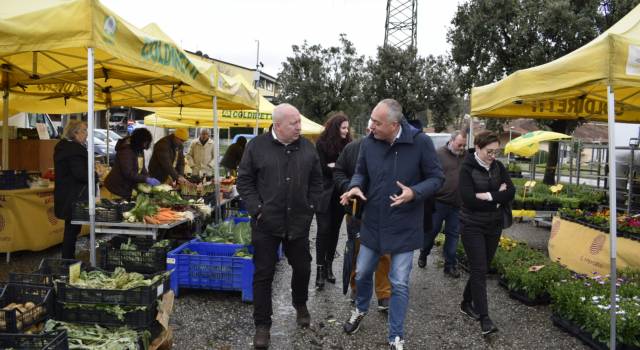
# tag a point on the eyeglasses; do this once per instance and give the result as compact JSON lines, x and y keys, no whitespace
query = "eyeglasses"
{"x":493,"y":152}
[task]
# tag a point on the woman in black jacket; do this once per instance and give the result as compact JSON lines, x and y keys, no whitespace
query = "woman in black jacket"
{"x":329,"y":213}
{"x":485,"y":188}
{"x":71,"y":176}
{"x":128,"y":168}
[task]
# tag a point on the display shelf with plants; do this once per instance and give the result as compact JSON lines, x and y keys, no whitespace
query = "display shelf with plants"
{"x":534,"y":195}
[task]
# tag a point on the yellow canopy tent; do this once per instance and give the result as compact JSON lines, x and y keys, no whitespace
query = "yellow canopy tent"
{"x":78,"y":51}
{"x":529,"y":143}
{"x":599,"y":81}
{"x":197,"y":117}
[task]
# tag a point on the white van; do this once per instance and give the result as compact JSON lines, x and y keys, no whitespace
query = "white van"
{"x":439,"y":138}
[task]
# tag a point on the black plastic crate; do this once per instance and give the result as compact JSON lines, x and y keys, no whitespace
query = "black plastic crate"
{"x":13,"y":179}
{"x":55,"y":340}
{"x":134,"y":319}
{"x":80,"y":212}
{"x":108,"y":215}
{"x":145,"y":259}
{"x":48,"y":271}
{"x":141,"y":296}
{"x":13,"y":321}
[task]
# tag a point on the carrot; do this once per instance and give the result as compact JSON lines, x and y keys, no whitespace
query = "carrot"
{"x":150,"y":220}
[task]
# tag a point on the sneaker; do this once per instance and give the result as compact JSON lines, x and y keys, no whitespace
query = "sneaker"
{"x":397,"y":344}
{"x":422,"y":260}
{"x":467,"y":309}
{"x":261,"y":338}
{"x":303,"y":318}
{"x":383,"y":304}
{"x":353,"y":324}
{"x":487,"y":326}
{"x":452,"y":272}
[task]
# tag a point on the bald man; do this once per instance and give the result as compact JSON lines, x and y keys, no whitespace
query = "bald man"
{"x":280,"y":180}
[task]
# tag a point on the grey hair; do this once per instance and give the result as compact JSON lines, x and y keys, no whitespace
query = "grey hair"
{"x":395,"y":109}
{"x":456,"y":133}
{"x":205,"y":131}
{"x":281,"y":110}
{"x":72,"y":127}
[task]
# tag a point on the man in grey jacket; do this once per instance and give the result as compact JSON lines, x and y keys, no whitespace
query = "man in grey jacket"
{"x":447,"y":205}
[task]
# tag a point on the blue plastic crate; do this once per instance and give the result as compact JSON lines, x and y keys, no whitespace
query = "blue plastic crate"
{"x":214,"y":267}
{"x":237,"y":220}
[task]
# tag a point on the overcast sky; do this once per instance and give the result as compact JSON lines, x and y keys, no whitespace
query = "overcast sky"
{"x":228,"y":29}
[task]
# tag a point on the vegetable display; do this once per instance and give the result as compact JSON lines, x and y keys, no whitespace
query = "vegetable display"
{"x":25,"y":312}
{"x":119,"y":279}
{"x":228,"y":232}
{"x":100,"y":338}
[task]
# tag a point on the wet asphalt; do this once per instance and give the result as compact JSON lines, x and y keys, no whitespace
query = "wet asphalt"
{"x":220,"y":320}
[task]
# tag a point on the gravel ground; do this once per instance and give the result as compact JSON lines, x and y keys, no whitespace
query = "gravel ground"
{"x":216,"y":320}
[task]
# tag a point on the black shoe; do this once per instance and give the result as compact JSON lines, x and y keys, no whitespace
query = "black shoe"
{"x":487,"y":326}
{"x":422,"y":259}
{"x":383,"y":304}
{"x":467,"y":309}
{"x":303,"y":318}
{"x":262,"y":336}
{"x":320,"y":276}
{"x":328,"y":273}
{"x":452,"y":272}
{"x":353,"y":323}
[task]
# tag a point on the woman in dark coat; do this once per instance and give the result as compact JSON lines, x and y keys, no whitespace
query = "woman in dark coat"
{"x":129,"y":166}
{"x":329,"y":214}
{"x":485,"y":188}
{"x":71,"y":176}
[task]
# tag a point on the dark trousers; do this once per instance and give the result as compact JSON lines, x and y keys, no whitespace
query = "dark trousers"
{"x":264,"y":259}
{"x":480,"y":247}
{"x":328,"y":232}
{"x":71,"y":233}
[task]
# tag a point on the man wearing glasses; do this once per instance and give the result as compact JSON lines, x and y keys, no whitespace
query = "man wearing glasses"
{"x":447,"y":205}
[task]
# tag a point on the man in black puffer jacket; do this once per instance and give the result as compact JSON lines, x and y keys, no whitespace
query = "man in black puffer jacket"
{"x":280,"y":180}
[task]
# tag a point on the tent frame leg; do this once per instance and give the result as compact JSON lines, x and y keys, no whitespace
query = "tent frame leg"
{"x":612,"y":211}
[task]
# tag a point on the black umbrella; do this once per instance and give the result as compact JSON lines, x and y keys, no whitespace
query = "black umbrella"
{"x":348,"y":264}
{"x":349,"y":256}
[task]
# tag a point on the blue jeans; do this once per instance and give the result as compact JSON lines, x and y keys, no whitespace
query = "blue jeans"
{"x":399,"y":273}
{"x":449,"y":215}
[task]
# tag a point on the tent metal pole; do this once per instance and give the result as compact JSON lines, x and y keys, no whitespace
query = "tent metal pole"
{"x":107,"y":114}
{"x":630,"y":182}
{"x":5,"y":121}
{"x":612,"y":211}
{"x":91,"y":162}
{"x":216,"y":156}
{"x":578,"y":161}
{"x":571,"y":147}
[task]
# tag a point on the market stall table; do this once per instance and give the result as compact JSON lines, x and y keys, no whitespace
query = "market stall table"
{"x":27,"y":220}
{"x":131,"y":228}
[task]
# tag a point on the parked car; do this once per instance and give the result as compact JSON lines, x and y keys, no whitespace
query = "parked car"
{"x":439,"y":139}
{"x":102,"y":135}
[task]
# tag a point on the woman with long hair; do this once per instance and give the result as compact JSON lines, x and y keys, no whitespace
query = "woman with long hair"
{"x":329,"y":213}
{"x":486,"y":190}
